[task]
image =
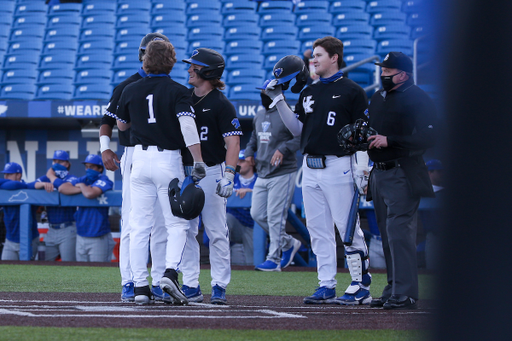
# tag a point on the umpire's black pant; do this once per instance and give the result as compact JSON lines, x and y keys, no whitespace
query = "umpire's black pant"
{"x":396,"y":210}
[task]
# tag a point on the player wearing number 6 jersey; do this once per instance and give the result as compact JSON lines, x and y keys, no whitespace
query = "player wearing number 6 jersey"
{"x":327,"y":184}
{"x":159,"y":112}
{"x":219,"y":131}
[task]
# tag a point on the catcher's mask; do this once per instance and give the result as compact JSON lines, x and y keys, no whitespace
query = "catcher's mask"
{"x":354,"y":137}
{"x":187,"y":202}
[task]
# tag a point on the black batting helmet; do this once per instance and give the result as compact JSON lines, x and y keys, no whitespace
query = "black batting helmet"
{"x":290,"y":67}
{"x":147,"y":39}
{"x":354,"y":137}
{"x":212,"y":61}
{"x":187,"y":202}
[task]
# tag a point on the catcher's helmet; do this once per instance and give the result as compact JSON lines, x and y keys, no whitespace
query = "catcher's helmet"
{"x":187,"y":202}
{"x":147,"y":39}
{"x":290,"y":67}
{"x":354,"y":137}
{"x":212,"y":61}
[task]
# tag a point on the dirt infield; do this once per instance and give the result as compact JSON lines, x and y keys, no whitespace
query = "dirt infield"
{"x":243,"y":312}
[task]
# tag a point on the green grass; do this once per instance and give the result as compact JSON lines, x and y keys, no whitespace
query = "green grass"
{"x":111,"y":334}
{"x":21,"y":278}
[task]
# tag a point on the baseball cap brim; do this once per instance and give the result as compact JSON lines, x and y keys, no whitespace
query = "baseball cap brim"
{"x":286,"y":78}
{"x":193,"y":61}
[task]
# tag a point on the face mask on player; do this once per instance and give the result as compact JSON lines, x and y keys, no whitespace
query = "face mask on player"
{"x":60,"y":170}
{"x":92,"y":175}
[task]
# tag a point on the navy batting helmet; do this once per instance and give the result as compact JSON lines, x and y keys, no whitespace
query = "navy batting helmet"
{"x":187,"y":202}
{"x":290,"y":67}
{"x":212,"y":61}
{"x":147,"y":39}
{"x":354,"y":137}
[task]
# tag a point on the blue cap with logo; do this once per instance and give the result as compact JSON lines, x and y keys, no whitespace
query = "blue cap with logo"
{"x":61,"y":155}
{"x":11,"y":168}
{"x":95,"y":159}
{"x":241,"y":155}
{"x":434,"y":165}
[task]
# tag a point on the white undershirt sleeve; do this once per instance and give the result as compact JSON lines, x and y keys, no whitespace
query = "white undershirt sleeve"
{"x":189,"y":130}
{"x":289,"y":118}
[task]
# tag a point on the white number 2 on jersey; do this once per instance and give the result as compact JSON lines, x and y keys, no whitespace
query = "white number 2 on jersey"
{"x":331,"y":118}
{"x":204,"y":134}
{"x":151,"y":118}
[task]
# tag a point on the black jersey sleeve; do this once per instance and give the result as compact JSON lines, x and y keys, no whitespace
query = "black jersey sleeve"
{"x":122,"y":114}
{"x":359,"y":106}
{"x":184,"y":104}
{"x":228,"y":122}
{"x":108,"y":120}
{"x":299,"y":108}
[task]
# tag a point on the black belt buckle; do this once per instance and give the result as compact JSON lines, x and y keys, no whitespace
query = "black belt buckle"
{"x":387,"y":165}
{"x":315,"y":161}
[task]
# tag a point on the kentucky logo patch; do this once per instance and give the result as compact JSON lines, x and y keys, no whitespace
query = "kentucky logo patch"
{"x":278,"y":72}
{"x":235,"y":123}
{"x":195,"y":53}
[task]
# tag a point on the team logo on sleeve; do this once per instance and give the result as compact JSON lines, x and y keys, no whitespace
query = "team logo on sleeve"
{"x":307,"y":102}
{"x":366,"y":113}
{"x":235,"y":123}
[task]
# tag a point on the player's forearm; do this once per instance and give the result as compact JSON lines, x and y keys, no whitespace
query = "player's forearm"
{"x":233,"y":149}
{"x":91,"y":192}
{"x":106,"y":130}
{"x":68,"y":189}
{"x":195,"y":150}
{"x":289,"y":118}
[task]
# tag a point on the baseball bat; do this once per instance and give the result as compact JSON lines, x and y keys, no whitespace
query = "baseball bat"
{"x":352,"y":219}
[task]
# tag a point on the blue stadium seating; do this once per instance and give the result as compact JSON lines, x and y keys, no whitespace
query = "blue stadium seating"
{"x":27,"y":34}
{"x":313,"y":32}
{"x":244,"y":61}
{"x":243,"y":46}
{"x":121,"y":75}
{"x":107,"y":8}
{"x":402,"y":45}
{"x":30,"y":7}
{"x":217,"y":45}
{"x":281,"y":46}
{"x":165,"y":6}
{"x":386,"y":18}
{"x":366,"y":46}
{"x":376,"y":6}
{"x":127,"y":61}
{"x":55,"y":76}
{"x":244,"y":92}
{"x":240,"y":20}
{"x":239,"y":6}
{"x":92,"y":76}
{"x":93,"y":91}
{"x":346,"y":6}
{"x":416,"y":19}
{"x":248,"y":32}
{"x":393,"y":31}
{"x":58,"y":61}
{"x":279,"y":32}
{"x":350,"y":18}
{"x":168,"y":18}
{"x":354,"y":32}
{"x":312,"y":6}
{"x":29,"y":21}
{"x":272,"y":19}
{"x":30,"y":46}
{"x":246,"y":76}
{"x":54,"y":92}
{"x":64,"y":9}
{"x":133,"y":6}
{"x":97,"y":46}
{"x":138,"y":32}
{"x":64,"y":20}
{"x":275,"y":7}
{"x":315,"y":18}
{"x":96,"y":33}
{"x":203,"y":6}
{"x":204,"y":19}
{"x":22,"y":61}
{"x":19,"y":76}
{"x":204,"y":32}
{"x":92,"y":20}
{"x":64,"y":32}
{"x":133,"y":19}
{"x":173,"y":32}
{"x":18,"y":91}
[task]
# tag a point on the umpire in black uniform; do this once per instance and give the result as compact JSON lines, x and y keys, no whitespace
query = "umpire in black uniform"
{"x":405,"y":118}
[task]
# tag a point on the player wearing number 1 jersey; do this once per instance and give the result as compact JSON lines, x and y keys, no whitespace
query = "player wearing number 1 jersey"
{"x":159,"y":112}
{"x":327,"y":181}
{"x":219,"y":131}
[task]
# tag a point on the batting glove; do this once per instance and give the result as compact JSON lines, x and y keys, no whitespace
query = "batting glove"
{"x":225,"y":185}
{"x":199,"y":171}
{"x":361,"y":180}
{"x":275,"y":92}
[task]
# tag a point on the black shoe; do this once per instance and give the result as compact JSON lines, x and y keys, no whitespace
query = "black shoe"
{"x":400,"y":302}
{"x":143,"y":295}
{"x":378,"y":302}
{"x":169,"y":284}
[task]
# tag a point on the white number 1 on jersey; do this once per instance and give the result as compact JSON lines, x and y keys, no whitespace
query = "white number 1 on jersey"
{"x":151,"y":118}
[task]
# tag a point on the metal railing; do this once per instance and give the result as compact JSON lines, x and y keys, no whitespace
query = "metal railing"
{"x":376,"y":75}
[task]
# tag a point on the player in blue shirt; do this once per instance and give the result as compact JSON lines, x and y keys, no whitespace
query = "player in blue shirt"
{"x":94,"y":241}
{"x":61,"y":236}
{"x":12,"y":181}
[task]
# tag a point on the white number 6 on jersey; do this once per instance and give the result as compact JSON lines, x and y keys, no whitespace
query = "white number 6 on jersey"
{"x":331,"y":118}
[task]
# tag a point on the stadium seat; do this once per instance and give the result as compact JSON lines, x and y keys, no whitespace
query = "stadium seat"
{"x":401,"y":45}
{"x":239,"y":6}
{"x":19,"y":76}
{"x":205,"y":33}
{"x":29,"y":21}
{"x":65,"y":8}
{"x":354,"y":32}
{"x":64,"y":32}
{"x":27,"y":34}
{"x":346,"y":6}
{"x":96,"y":33}
{"x":203,"y":6}
{"x":217,"y":45}
{"x":377,"y":6}
{"x":351,"y":18}
{"x":93,"y":91}
{"x":106,"y":8}
{"x":8,"y":7}
{"x":121,"y":75}
{"x":353,"y":46}
{"x":271,"y":19}
{"x":279,"y":32}
{"x":271,"y":60}
{"x":420,"y":31}
{"x":247,"y":32}
{"x":281,"y":46}
{"x":18,"y":91}
{"x":133,"y":7}
{"x":57,"y":61}
{"x":412,"y":6}
{"x":315,"y":18}
{"x":311,"y":6}
{"x":92,"y":76}
{"x":244,"y":92}
{"x":61,"y":92}
{"x":30,"y":46}
{"x":244,"y":61}
{"x":97,"y":46}
{"x":165,"y":6}
{"x":386,"y":18}
{"x":240,"y":20}
{"x":21,"y":61}
{"x":168,"y":18}
{"x":64,"y":20}
{"x":416,"y":19}
{"x":243,"y":46}
{"x":138,"y":32}
{"x":276,"y":7}
{"x":126,"y":61}
{"x":351,"y":58}
{"x":133,"y":19}
{"x":55,"y":76}
{"x":392,"y":32}
{"x":313,"y":32}
{"x":204,"y":19}
{"x":92,"y":20}
{"x":30,"y":7}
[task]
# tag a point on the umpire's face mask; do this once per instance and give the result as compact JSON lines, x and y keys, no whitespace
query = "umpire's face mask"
{"x":387,"y":81}
{"x":265,"y":100}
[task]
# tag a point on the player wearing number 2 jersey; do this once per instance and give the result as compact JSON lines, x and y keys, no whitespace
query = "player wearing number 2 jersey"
{"x":159,"y":112}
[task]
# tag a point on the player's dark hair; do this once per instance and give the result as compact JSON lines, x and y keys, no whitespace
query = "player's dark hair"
{"x":332,"y":46}
{"x":160,"y":57}
{"x":217,"y":84}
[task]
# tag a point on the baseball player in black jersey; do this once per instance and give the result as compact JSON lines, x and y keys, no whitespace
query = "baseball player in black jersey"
{"x":160,"y":112}
{"x":327,"y":181}
{"x":158,"y":235}
{"x":219,"y":131}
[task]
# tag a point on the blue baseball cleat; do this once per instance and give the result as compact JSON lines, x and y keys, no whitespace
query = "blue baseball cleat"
{"x":218,"y":295}
{"x":288,"y":255}
{"x":268,"y":265}
{"x":322,"y":295}
{"x":127,"y":294}
{"x":193,"y":294}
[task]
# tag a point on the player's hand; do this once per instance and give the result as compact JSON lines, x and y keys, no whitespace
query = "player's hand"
{"x":199,"y":171}
{"x":378,"y":141}
{"x":225,"y":185}
{"x":250,"y":160}
{"x":241,"y":192}
{"x":361,"y":180}
{"x":48,"y":187}
{"x":277,"y":159}
{"x":109,"y":160}
{"x":274,"y":90}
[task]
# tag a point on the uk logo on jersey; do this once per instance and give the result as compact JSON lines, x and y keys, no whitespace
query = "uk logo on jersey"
{"x":265,"y":125}
{"x":235,"y":123}
{"x":307,"y":103}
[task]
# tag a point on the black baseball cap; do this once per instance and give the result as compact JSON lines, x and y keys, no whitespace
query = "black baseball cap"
{"x":397,"y":60}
